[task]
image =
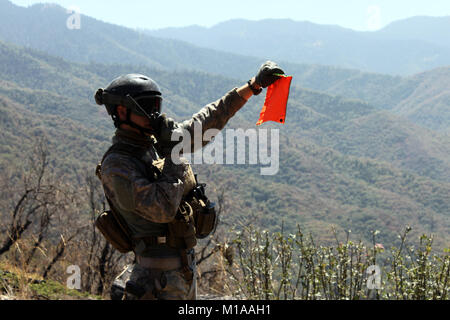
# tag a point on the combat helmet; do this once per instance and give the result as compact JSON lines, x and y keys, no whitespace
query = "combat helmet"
{"x":138,"y":93}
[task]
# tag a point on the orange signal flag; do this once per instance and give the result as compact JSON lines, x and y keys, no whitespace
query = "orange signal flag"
{"x":277,"y":95}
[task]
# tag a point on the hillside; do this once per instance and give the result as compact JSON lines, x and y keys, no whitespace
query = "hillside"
{"x":429,"y":104}
{"x":43,"y":27}
{"x":423,"y":98}
{"x":316,"y":187}
{"x":93,"y":43}
{"x":338,"y":165}
{"x":362,"y":176}
{"x":376,"y":135}
{"x":315,"y":115}
{"x":68,"y":140}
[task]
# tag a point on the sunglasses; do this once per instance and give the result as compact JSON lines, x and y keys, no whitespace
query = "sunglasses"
{"x":150,"y":104}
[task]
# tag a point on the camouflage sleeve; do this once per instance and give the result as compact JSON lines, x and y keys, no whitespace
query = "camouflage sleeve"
{"x":130,"y":190}
{"x":212,"y":116}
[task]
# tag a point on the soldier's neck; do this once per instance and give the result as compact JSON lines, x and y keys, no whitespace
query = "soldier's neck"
{"x":132,"y":137}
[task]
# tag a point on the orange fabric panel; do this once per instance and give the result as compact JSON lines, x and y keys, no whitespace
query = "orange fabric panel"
{"x":277,"y":95}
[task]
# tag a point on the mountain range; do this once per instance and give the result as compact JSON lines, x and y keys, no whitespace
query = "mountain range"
{"x":403,"y":47}
{"x":359,"y":151}
{"x":43,"y":27}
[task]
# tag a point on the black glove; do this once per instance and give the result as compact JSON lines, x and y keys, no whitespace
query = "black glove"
{"x":157,"y":122}
{"x":163,"y":127}
{"x":265,"y":76}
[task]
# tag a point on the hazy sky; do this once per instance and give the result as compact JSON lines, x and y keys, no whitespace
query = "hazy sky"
{"x":151,"y":14}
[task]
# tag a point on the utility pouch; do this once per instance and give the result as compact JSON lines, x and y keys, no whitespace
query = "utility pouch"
{"x":204,"y":216}
{"x":113,"y":232}
{"x":182,"y":228}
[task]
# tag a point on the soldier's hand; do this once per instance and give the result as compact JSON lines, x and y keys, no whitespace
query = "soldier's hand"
{"x":267,"y":74}
{"x":156,"y":122}
{"x":163,"y":129}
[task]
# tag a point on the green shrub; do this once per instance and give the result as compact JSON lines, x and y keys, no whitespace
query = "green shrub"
{"x":278,"y":266}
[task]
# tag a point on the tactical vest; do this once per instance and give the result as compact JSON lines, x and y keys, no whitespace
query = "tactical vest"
{"x":195,"y":218}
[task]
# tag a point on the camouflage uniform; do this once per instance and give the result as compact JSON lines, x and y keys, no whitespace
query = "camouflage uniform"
{"x":147,"y":206}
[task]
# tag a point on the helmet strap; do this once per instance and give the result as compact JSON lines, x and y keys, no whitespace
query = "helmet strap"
{"x":118,"y":122}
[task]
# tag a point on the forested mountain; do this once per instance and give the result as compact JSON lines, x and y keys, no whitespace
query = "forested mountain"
{"x":423,"y":98}
{"x":359,"y":151}
{"x":434,"y":30}
{"x":403,"y":47}
{"x":429,"y":104}
{"x":342,"y":162}
{"x":44,"y":27}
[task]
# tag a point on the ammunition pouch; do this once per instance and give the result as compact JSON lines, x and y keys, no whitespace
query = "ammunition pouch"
{"x":205,"y":216}
{"x":182,"y":228}
{"x":113,"y":232}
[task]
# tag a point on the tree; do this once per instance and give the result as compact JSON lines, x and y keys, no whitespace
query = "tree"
{"x":35,"y":198}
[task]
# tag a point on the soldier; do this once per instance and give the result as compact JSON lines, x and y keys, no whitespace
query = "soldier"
{"x":149,"y":203}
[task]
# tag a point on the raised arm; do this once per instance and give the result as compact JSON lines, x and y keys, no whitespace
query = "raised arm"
{"x":216,"y":114}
